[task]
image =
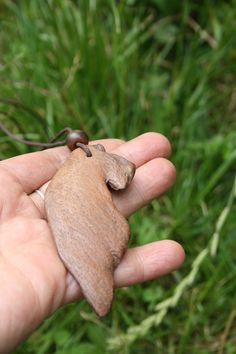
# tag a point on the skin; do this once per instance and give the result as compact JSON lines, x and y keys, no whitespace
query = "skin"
{"x":34,"y":281}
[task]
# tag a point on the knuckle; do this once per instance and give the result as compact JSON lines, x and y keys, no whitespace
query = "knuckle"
{"x":139,"y":266}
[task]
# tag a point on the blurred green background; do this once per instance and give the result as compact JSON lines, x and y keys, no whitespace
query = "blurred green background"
{"x":118,"y":69}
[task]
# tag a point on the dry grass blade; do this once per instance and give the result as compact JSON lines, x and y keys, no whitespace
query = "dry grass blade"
{"x":162,"y":308}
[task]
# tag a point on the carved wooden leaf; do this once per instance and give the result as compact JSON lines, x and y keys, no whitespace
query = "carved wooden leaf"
{"x":91,"y":235}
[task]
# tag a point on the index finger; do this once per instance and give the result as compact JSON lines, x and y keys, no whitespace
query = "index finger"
{"x":34,"y":169}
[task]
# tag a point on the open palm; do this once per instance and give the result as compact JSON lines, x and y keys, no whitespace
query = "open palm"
{"x":34,"y":281}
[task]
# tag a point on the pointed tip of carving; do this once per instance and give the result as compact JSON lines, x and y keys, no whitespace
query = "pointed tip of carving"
{"x":102,"y":303}
{"x":102,"y":312}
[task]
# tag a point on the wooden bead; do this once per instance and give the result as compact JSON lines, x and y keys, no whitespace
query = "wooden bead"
{"x":76,"y":136}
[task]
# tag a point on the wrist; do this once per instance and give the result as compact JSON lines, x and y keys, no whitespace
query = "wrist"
{"x":19,"y":311}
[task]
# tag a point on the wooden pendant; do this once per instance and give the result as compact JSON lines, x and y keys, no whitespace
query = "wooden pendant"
{"x":90,"y":233}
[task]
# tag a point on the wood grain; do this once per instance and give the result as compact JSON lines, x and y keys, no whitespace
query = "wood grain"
{"x":91,"y":235}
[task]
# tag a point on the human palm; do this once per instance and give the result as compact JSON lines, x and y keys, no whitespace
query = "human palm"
{"x":34,"y":281}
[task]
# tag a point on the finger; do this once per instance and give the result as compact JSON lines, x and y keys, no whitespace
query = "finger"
{"x":150,"y":181}
{"x":138,"y":265}
{"x":34,"y":169}
{"x":145,"y":148}
{"x":149,"y":262}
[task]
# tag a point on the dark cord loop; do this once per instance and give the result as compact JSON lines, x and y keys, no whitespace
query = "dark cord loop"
{"x":74,"y":139}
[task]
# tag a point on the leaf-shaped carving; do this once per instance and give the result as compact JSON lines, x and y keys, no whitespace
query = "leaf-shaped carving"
{"x":90,"y":233}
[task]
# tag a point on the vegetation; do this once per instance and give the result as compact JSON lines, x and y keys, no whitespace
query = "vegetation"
{"x":118,"y":69}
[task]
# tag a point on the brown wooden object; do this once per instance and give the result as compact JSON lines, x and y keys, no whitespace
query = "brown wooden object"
{"x":91,"y":235}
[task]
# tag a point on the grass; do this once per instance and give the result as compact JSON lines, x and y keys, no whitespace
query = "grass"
{"x":120,"y":68}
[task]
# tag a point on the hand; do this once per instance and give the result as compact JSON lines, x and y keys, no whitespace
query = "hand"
{"x":34,"y":281}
